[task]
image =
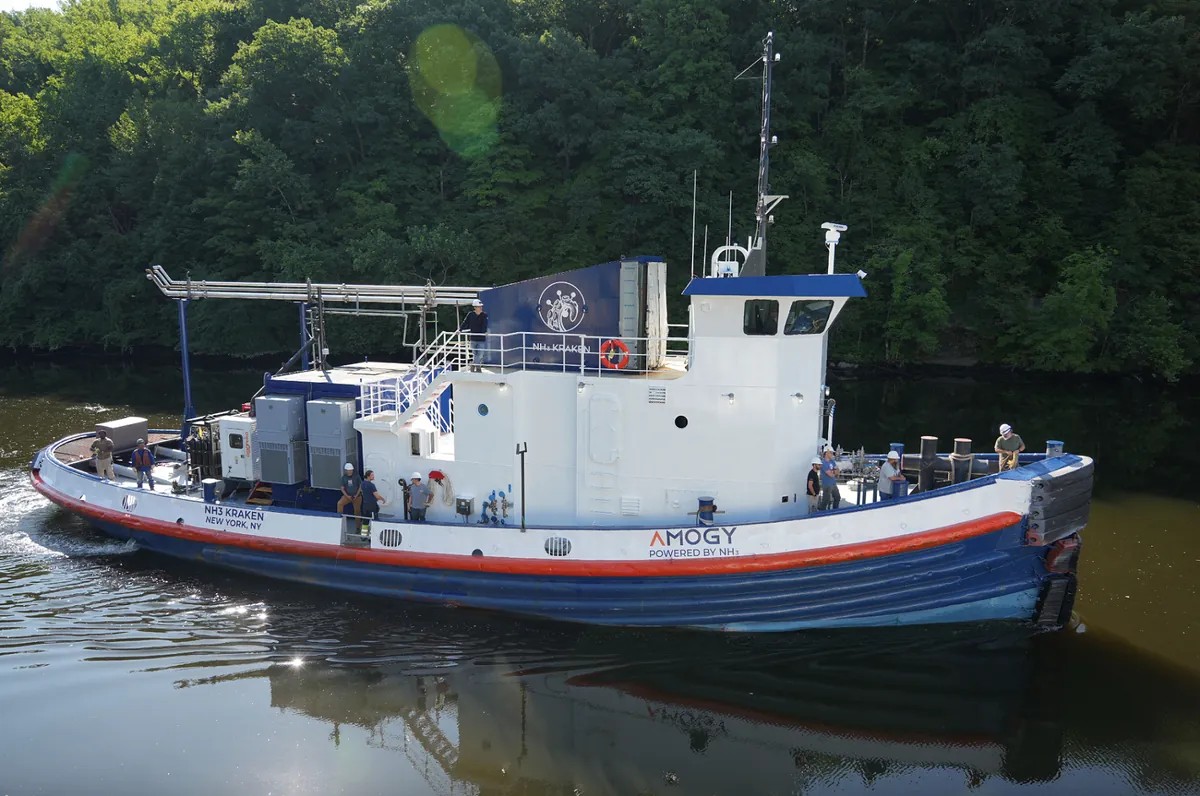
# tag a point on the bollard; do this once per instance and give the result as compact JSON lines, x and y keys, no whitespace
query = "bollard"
{"x":1054,"y":447}
{"x":960,"y":461}
{"x":928,"y":462}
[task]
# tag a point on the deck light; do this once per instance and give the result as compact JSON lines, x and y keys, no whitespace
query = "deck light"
{"x":729,"y":396}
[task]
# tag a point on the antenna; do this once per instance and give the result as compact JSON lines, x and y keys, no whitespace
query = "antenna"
{"x":695,"y":177}
{"x":705,"y":249}
{"x":756,"y":262}
{"x":729,"y":233}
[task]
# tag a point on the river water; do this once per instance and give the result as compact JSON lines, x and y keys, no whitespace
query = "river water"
{"x":125,"y":673}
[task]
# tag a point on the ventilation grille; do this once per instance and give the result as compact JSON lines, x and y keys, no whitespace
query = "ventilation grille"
{"x":275,"y":468}
{"x":327,"y":466}
{"x":558,"y":546}
{"x":390,"y":537}
{"x":631,"y":506}
{"x":657,"y":395}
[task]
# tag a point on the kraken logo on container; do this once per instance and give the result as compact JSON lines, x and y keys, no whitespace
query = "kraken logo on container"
{"x":561,"y":307}
{"x":456,"y":83}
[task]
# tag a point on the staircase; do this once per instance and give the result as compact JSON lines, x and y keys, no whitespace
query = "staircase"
{"x":417,"y":392}
{"x":260,"y":495}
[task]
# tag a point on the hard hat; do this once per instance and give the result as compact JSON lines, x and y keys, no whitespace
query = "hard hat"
{"x":1005,"y":428}
{"x":816,"y":460}
{"x":476,"y":303}
{"x":141,"y":442}
{"x":416,"y":476}
{"x":893,"y":455}
{"x":348,"y":466}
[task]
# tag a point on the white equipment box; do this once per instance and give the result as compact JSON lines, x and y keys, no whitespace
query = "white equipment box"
{"x":125,"y":432}
{"x":239,"y":449}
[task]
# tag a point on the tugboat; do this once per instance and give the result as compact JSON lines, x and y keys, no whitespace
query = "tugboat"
{"x":588,"y":465}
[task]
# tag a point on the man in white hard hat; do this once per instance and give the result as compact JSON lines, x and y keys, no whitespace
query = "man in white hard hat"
{"x":889,"y":474}
{"x":1010,"y":446}
{"x":476,"y":326}
{"x":419,"y":498}
{"x":814,"y":484}
{"x":831,"y":495}
{"x":351,"y":491}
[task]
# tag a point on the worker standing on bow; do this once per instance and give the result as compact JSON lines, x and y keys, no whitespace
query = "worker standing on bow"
{"x":1009,"y":446}
{"x":831,"y":496}
{"x":143,"y":463}
{"x":889,"y":474}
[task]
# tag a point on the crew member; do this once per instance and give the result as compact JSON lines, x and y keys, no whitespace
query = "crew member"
{"x":419,"y":498}
{"x":351,"y":491}
{"x":102,"y":451}
{"x":831,"y":496}
{"x":1009,"y":446}
{"x":814,"y":484}
{"x":370,"y":495}
{"x":143,"y":463}
{"x":889,"y":475}
{"x":476,"y":323}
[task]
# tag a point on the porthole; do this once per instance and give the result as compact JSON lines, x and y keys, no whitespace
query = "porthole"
{"x":390,"y":537}
{"x":558,"y":546}
{"x":476,"y":552}
{"x":483,"y":410}
{"x":680,"y":422}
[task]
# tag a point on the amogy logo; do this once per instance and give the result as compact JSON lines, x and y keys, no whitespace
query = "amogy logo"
{"x":693,"y":543}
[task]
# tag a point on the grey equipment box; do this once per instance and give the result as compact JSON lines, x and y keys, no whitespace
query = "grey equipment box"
{"x":332,"y":441}
{"x":125,"y":432}
{"x":283,"y":462}
{"x":279,"y":417}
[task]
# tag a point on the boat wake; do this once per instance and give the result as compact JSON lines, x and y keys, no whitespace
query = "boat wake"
{"x":31,"y":525}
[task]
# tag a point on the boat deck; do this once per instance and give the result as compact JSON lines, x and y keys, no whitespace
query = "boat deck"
{"x":79,"y":450}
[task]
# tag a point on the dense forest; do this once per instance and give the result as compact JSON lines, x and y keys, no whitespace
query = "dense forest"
{"x":1021,"y":178}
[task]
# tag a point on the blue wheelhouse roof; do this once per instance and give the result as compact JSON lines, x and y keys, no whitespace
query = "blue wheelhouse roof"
{"x":795,"y":285}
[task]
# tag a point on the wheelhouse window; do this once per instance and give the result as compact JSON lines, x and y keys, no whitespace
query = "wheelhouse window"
{"x":808,"y":316}
{"x":761,"y":317}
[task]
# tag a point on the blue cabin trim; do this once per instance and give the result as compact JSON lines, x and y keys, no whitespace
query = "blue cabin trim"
{"x":797,"y":285}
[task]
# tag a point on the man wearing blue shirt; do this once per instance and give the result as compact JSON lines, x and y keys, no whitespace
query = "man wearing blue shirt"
{"x":831,"y":497}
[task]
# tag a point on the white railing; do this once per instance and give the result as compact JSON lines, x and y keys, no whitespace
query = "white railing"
{"x":589,"y":355}
{"x":447,"y":353}
{"x":586,"y":355}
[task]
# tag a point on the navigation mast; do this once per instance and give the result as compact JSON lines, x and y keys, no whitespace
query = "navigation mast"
{"x":756,"y":261}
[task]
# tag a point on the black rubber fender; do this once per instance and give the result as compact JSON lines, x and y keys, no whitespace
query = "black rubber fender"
{"x":1062,"y":525}
{"x":1058,"y":505}
{"x":1056,"y":483}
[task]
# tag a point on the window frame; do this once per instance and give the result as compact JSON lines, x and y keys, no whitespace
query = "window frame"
{"x":772,"y":318}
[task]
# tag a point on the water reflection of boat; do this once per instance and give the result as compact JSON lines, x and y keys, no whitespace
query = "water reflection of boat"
{"x":492,"y":707}
{"x":728,"y":719}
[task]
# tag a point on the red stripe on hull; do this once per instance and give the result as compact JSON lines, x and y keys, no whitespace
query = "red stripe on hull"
{"x":524,"y":566}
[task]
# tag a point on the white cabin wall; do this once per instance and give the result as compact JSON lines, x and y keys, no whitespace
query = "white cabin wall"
{"x":546,"y":418}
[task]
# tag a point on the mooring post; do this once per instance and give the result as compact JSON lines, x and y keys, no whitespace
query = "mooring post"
{"x":188,"y":411}
{"x":960,"y":462}
{"x":521,"y":450}
{"x":928,"y":462}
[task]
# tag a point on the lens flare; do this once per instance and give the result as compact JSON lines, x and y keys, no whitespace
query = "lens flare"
{"x":456,"y":83}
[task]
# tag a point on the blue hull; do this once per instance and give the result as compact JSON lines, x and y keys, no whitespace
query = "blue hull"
{"x":994,"y":576}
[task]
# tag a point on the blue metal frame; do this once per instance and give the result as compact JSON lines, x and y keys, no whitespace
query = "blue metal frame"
{"x":188,"y":409}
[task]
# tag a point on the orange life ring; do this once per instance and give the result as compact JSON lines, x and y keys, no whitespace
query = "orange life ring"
{"x":606,"y":358}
